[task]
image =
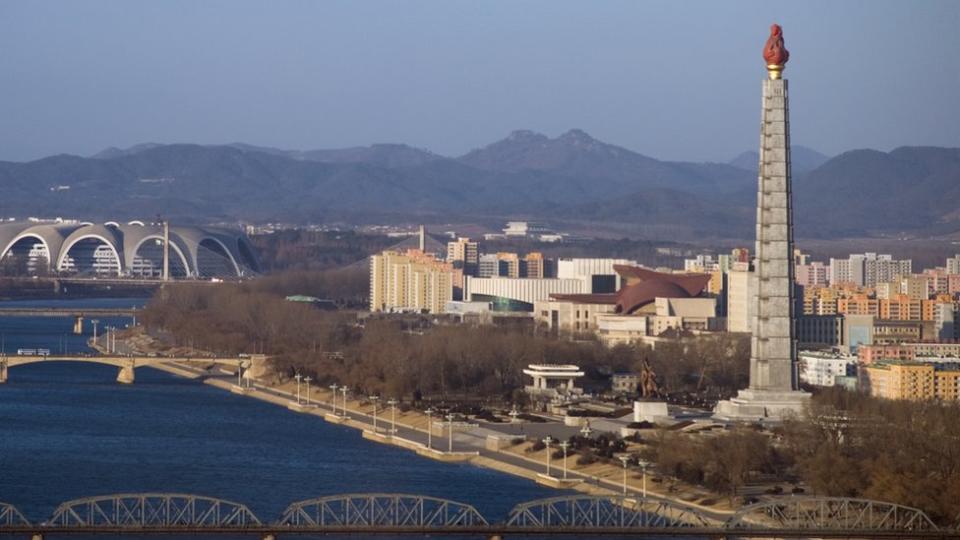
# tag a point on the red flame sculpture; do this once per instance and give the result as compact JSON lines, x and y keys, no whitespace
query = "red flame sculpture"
{"x":774,"y":52}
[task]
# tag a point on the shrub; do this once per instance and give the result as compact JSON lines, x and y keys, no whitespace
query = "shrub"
{"x":587,"y":458}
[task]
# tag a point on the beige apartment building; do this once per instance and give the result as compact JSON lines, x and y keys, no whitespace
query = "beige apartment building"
{"x":409,"y":281}
{"x":911,"y":380}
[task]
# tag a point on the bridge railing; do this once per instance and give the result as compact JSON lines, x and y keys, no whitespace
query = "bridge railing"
{"x":395,"y":510}
{"x":11,"y":517}
{"x":152,"y":510}
{"x":593,"y":512}
{"x":830,"y":513}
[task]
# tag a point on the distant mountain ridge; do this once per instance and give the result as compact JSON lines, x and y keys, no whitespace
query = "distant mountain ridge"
{"x":802,"y":159}
{"x":569,"y":177}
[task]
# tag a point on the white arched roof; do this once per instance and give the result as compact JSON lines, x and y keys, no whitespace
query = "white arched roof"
{"x":108,"y":235}
{"x":131,"y":253}
{"x":125,"y":239}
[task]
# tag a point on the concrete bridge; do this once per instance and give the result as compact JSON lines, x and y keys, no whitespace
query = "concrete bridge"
{"x":127,"y":364}
{"x":67,"y":312}
{"x":78,"y":314}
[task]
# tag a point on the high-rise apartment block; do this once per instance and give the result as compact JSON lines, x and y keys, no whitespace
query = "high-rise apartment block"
{"x":953,"y":265}
{"x":464,"y":254}
{"x":814,"y":274}
{"x":868,"y":269}
{"x":409,"y":281}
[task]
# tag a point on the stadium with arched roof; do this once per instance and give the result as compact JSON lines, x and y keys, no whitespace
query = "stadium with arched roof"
{"x":134,"y":249}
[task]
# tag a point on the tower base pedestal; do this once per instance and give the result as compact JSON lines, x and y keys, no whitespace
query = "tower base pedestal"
{"x":762,"y":405}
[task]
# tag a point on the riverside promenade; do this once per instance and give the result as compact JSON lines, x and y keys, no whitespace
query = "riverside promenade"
{"x":470,"y":443}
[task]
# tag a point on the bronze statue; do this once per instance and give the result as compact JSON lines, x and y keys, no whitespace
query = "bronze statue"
{"x":648,"y":380}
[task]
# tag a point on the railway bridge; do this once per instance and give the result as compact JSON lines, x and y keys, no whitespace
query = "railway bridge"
{"x":573,"y":516}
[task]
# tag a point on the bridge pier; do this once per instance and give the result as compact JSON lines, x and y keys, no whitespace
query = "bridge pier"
{"x":126,"y":375}
{"x":78,"y":325}
{"x":269,"y":536}
{"x":36,"y":536}
{"x":3,"y":370}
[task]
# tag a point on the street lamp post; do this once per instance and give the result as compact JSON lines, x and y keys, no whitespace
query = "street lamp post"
{"x":393,"y":416}
{"x":547,"y":442}
{"x":298,"y":377}
{"x":333,"y":396}
{"x":625,"y":460}
{"x":307,"y":380}
{"x":429,"y":413}
{"x":450,"y":438}
{"x":375,"y":399}
{"x":643,"y":467}
{"x":564,"y":445}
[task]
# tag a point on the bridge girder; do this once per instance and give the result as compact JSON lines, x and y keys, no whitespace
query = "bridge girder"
{"x":591,"y":511}
{"x":396,"y":510}
{"x":11,"y":517}
{"x":152,"y":510}
{"x":831,"y":513}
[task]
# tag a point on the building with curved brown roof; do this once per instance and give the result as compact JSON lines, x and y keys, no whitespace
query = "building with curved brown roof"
{"x":637,"y":297}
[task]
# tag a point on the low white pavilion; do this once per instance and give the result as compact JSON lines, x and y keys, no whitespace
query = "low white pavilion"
{"x":553,"y":379}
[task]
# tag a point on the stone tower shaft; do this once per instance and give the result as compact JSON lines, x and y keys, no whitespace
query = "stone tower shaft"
{"x":773,"y":348}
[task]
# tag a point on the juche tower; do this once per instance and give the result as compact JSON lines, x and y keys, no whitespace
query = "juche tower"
{"x":774,"y":390}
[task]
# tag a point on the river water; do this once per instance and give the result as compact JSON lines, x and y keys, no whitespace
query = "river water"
{"x":70,"y":431}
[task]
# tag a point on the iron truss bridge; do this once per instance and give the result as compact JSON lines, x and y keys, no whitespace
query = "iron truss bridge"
{"x":576,"y":516}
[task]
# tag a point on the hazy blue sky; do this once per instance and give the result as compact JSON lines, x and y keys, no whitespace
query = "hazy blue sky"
{"x":670,"y":79}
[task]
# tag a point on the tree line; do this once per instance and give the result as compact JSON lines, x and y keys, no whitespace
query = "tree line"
{"x":400,"y":356}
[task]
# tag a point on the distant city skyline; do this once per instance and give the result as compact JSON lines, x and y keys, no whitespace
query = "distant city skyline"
{"x":669,"y":80}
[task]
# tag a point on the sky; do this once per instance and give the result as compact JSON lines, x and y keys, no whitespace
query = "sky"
{"x":669,"y":79}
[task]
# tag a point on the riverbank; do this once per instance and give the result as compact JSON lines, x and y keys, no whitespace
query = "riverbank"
{"x":485,"y":445}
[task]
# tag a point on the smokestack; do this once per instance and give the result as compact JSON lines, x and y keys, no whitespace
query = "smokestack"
{"x":423,"y":239}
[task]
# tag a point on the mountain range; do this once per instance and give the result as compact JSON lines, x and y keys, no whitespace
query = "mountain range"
{"x":572,"y":180}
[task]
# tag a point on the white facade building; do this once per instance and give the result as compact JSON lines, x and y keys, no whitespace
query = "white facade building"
{"x":868,"y":269}
{"x":588,"y":270}
{"x":525,"y":290}
{"x":953,"y":265}
{"x":822,"y":369}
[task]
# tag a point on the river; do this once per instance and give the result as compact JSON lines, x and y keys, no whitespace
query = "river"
{"x":69,"y":431}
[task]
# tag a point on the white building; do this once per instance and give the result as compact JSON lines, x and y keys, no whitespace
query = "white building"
{"x":517,"y":294}
{"x":597,"y":275}
{"x":574,"y":276}
{"x":953,"y":265}
{"x":822,"y":368}
{"x":552,"y":380}
{"x":525,"y":229}
{"x":868,"y":269}
{"x":739,"y":291}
